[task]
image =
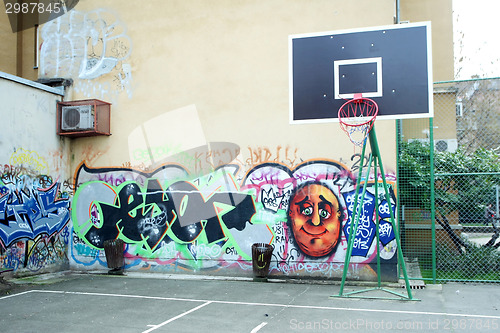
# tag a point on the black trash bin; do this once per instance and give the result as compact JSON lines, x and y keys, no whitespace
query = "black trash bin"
{"x":261,"y":260}
{"x":114,"y":249}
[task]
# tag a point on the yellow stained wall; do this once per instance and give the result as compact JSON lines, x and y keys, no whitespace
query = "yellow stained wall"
{"x":28,"y":67}
{"x":192,"y":72}
{"x":440,"y":13}
{"x":444,"y":122}
{"x":17,"y":50}
{"x":8,"y":46}
{"x":230,"y":60}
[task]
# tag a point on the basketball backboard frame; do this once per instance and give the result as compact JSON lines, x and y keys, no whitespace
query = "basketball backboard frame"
{"x":394,"y":62}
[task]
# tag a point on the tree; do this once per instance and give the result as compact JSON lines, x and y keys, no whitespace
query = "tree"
{"x":479,"y":124}
{"x":464,"y":182}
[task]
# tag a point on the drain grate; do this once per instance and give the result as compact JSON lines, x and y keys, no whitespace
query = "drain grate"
{"x":413,"y":271}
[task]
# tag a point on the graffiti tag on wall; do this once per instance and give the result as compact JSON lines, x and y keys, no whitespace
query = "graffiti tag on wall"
{"x":87,"y":46}
{"x":28,"y":210}
{"x":34,"y":214}
{"x":147,"y":215}
{"x":36,"y":254}
{"x":149,"y":211}
{"x":312,"y":206}
{"x":211,"y":221}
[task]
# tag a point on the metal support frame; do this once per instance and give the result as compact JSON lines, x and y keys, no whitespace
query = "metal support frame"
{"x":376,"y":160}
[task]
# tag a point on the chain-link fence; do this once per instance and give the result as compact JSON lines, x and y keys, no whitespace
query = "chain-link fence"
{"x":449,"y":184}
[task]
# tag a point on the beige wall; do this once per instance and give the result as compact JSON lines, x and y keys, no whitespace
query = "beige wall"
{"x":7,"y":46}
{"x":227,"y":58}
{"x":439,"y":12}
{"x":17,"y":50}
{"x":181,"y":74}
{"x":28,"y":67}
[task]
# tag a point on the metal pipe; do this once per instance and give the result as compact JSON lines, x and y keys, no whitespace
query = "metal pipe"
{"x":396,"y":19}
{"x":467,"y":80}
{"x":467,"y":174}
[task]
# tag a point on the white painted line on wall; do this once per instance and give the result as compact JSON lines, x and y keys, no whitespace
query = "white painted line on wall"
{"x":277,"y":305}
{"x":175,"y":318}
{"x":256,"y":329}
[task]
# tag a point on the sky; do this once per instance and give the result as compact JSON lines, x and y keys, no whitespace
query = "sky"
{"x":476,"y":38}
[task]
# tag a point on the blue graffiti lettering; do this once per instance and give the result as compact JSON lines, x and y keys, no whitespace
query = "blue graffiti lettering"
{"x":30,"y":214}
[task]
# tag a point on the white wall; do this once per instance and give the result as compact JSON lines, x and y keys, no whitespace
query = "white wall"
{"x":35,"y":178}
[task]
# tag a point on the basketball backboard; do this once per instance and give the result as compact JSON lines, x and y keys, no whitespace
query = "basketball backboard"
{"x":390,"y":64}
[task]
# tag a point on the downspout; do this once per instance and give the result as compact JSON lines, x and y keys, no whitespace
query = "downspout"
{"x":397,"y":18}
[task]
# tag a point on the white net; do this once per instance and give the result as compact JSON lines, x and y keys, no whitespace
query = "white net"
{"x":357,"y":134}
{"x":356,"y":119}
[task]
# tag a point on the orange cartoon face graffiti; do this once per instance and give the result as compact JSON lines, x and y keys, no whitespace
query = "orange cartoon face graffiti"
{"x":315,"y":216}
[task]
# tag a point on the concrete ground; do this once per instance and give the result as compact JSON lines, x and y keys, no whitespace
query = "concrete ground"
{"x":72,"y":302}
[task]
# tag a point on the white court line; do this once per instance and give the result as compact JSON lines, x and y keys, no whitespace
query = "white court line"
{"x":275,"y":304}
{"x":176,"y":317}
{"x":121,"y":295}
{"x":256,"y":329}
{"x":19,"y":294}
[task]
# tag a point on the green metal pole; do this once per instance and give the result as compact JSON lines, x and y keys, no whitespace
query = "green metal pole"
{"x":350,"y":241}
{"x":433,"y":204}
{"x":399,"y":210}
{"x":399,"y":250}
{"x":377,"y":231}
{"x":355,"y":217}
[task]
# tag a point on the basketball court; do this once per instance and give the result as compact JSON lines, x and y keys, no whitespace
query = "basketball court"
{"x":389,"y":65}
{"x":175,"y":303}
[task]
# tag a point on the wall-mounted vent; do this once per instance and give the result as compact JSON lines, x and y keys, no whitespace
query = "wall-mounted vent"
{"x":77,"y":118}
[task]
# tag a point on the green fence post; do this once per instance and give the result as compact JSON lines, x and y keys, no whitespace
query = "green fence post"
{"x":433,"y":206}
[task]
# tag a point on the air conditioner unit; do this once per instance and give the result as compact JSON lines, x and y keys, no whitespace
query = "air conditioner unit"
{"x":441,"y":145}
{"x":449,"y":145}
{"x":77,"y":117}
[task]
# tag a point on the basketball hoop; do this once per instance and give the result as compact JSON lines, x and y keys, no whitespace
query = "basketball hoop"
{"x":356,"y":118}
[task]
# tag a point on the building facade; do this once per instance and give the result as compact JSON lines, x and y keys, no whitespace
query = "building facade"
{"x":202,"y":161}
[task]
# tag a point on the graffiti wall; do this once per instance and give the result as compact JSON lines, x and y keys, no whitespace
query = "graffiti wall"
{"x":34,"y":179}
{"x":34,"y":215}
{"x":172,"y":221}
